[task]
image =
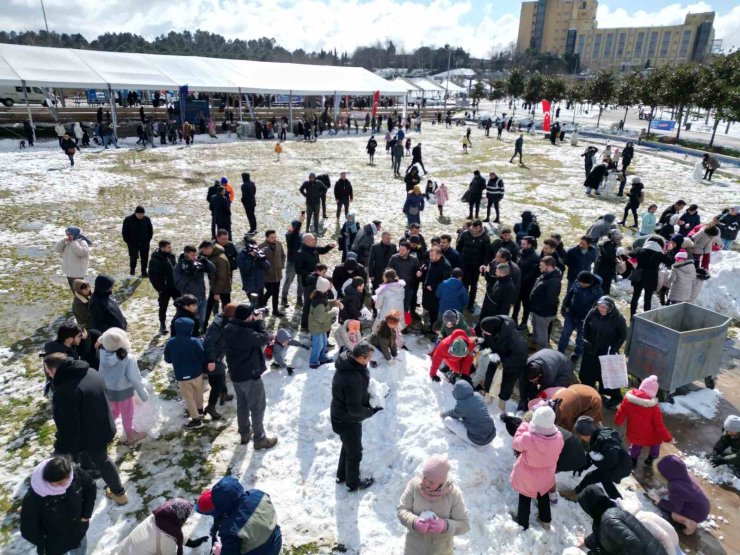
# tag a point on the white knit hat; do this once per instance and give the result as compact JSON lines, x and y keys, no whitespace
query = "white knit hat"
{"x":114,"y":339}
{"x":543,"y":421}
{"x":322,"y":285}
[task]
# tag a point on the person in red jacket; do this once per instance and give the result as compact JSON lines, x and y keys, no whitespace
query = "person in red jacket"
{"x":645,"y":427}
{"x":456,"y":352}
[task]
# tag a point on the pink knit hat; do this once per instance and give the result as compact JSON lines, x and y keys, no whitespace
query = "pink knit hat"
{"x":681,"y":255}
{"x":650,"y":385}
{"x":436,"y":469}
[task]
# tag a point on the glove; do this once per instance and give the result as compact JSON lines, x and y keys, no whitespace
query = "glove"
{"x":196,"y":542}
{"x":216,"y":549}
{"x":421,"y":525}
{"x":437,"y":526}
{"x":717,"y":461}
{"x":436,"y":379}
{"x":376,"y":410}
{"x":578,"y":473}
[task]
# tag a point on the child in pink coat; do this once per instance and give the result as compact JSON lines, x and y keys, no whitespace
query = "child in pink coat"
{"x":539,"y":443}
{"x":440,"y":196}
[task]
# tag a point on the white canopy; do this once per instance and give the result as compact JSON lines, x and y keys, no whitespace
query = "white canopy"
{"x":452,"y":87}
{"x":68,"y":68}
{"x":427,"y":85}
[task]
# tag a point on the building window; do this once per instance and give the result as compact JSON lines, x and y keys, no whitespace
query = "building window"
{"x":638,"y":44}
{"x":581,"y":44}
{"x":608,"y":45}
{"x":685,"y":39}
{"x":653,"y":43}
{"x":665,"y":45}
{"x":620,"y":44}
{"x":597,"y":47}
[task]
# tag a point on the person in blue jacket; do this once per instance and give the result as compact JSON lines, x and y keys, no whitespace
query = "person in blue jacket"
{"x":188,"y":356}
{"x":452,"y":293}
{"x":470,"y":419}
{"x":578,"y":302}
{"x":244,"y":521}
{"x":414,"y":206}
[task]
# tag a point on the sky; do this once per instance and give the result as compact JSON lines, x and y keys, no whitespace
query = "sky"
{"x":479,"y":26}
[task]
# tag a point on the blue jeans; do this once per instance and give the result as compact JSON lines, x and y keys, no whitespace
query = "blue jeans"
{"x":569,"y":325}
{"x":202,"y":305}
{"x":727,"y":244}
{"x":82,"y":550}
{"x":318,"y":348}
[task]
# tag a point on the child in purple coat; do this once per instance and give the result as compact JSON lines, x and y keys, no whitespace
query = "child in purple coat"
{"x":686,"y":502}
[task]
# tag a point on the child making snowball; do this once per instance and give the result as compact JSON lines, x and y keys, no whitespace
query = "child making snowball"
{"x":384,"y":338}
{"x":686,"y":502}
{"x":606,"y":453}
{"x":470,"y":419}
{"x":441,"y":195}
{"x":539,"y":444}
{"x":278,"y":151}
{"x":320,"y":319}
{"x":645,"y":427}
{"x":120,"y":372}
{"x":280,"y":350}
{"x":727,"y":449}
{"x":433,"y":510}
{"x":348,"y":335}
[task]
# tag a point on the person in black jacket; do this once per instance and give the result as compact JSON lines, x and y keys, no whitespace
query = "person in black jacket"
{"x":645,"y":276}
{"x":249,"y":201}
{"x":352,"y":300}
{"x":499,"y":334}
{"x":161,"y":265}
{"x":606,"y":259}
{"x":475,"y":193}
{"x":243,"y":339}
{"x":222,"y":238}
{"x":57,"y":507}
{"x":104,"y":309}
{"x":595,"y":177}
{"x":615,"y":530}
{"x":380,"y":256}
{"x":628,"y":152}
{"x":528,"y":227}
{"x":305,"y":261}
{"x":634,"y":198}
{"x":406,"y":265}
{"x":221,"y":210}
{"x":137,"y":234}
{"x":313,"y":190}
{"x":529,"y":264}
{"x":604,"y":332}
{"x":69,"y":146}
{"x":543,"y":301}
{"x":293,"y":242}
{"x":350,"y":405}
{"x":550,"y":248}
{"x":343,"y":194}
{"x":474,"y":246}
{"x":83,"y":419}
{"x":437,"y":270}
{"x":500,"y":292}
{"x":606,"y":452}
{"x":579,"y":258}
{"x":212,"y":190}
{"x":505,"y":241}
{"x":215,"y":365}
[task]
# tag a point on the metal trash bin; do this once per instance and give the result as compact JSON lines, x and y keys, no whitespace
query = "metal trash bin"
{"x":245,"y":129}
{"x":679,"y":343}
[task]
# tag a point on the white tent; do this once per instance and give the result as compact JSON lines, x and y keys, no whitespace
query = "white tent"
{"x":428,"y":88}
{"x":452,"y":88}
{"x":41,"y":66}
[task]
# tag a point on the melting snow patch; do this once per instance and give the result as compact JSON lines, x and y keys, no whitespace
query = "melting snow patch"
{"x":701,"y":403}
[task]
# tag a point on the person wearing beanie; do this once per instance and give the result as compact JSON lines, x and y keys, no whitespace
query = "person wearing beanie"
{"x":137,"y":233}
{"x":727,"y":449}
{"x":280,"y":350}
{"x":606,"y":452}
{"x":433,"y":510}
{"x":682,"y":279}
{"x":186,"y":306}
{"x":539,"y":443}
{"x":686,"y":502}
{"x":120,"y":372}
{"x":75,"y":250}
{"x":229,"y":189}
{"x":578,"y":301}
{"x":57,"y":508}
{"x":454,"y":320}
{"x":601,"y":227}
{"x":456,"y":352}
{"x":645,"y":427}
{"x":469,"y":419}
{"x":320,"y":319}
{"x":499,"y":334}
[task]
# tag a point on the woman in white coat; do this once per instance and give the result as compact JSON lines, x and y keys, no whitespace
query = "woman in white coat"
{"x":389,"y":297}
{"x":78,"y":132}
{"x":75,"y":249}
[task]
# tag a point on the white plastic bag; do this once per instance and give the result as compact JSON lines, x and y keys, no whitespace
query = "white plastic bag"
{"x":613,"y":371}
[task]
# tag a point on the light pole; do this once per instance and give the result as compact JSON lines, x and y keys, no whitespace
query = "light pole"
{"x":447,"y":83}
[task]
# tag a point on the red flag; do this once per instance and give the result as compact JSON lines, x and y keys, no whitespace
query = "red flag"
{"x":545,"y":106}
{"x":546,"y":110}
{"x":376,"y":101}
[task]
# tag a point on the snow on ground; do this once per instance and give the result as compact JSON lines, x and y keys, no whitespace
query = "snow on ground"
{"x":722,"y":292}
{"x":40,"y":195}
{"x":700,"y":465}
{"x":702,"y":403}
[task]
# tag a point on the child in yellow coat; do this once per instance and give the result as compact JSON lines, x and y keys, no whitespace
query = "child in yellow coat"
{"x":278,"y":151}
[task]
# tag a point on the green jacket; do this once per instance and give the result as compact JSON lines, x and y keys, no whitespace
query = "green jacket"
{"x":385,"y":340}
{"x":320,"y":316}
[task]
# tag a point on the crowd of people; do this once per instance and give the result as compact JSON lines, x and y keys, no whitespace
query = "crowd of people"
{"x":369,"y":303}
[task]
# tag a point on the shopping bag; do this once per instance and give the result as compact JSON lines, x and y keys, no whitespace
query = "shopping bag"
{"x":613,"y":371}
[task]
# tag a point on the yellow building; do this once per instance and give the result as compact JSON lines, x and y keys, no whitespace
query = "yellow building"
{"x":569,"y":27}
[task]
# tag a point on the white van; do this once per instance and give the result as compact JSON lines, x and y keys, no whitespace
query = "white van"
{"x":13,"y":95}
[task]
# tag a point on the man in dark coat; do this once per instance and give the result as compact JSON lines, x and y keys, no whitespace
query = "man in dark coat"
{"x":475,"y":194}
{"x":350,"y":405}
{"x":505,"y":241}
{"x":474,"y":246}
{"x":452,"y":256}
{"x":161,"y":266}
{"x":221,"y":210}
{"x":343,"y":194}
{"x":306,"y":259}
{"x":437,"y":270}
{"x":579,"y":258}
{"x":293,"y":242}
{"x":543,"y":301}
{"x":606,"y":453}
{"x":253,"y":265}
{"x":137,"y":234}
{"x":104,"y":309}
{"x":546,"y":368}
{"x":416,"y":158}
{"x":406,"y":265}
{"x":595,"y":177}
{"x":249,"y":201}
{"x":380,"y":256}
{"x":501,"y":336}
{"x":313,"y":190}
{"x":649,"y":258}
{"x":190,"y":273}
{"x":83,"y":418}
{"x":529,"y":264}
{"x":347,"y":270}
{"x":76,"y":343}
{"x":500,"y":292}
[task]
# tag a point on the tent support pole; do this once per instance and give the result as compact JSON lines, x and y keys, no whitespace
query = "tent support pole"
{"x":336,"y":111}
{"x":28,"y":109}
{"x":405,"y":105}
{"x":249,"y":107}
{"x":240,"y":106}
{"x":113,"y":114}
{"x":290,"y":110}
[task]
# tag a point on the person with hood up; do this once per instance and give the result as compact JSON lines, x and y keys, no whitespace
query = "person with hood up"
{"x":686,"y":502}
{"x":433,"y":510}
{"x":595,"y":178}
{"x":244,"y":521}
{"x":372,"y":144}
{"x":682,"y":279}
{"x":527,"y":227}
{"x":320,"y":320}
{"x":83,"y":419}
{"x":456,"y":352}
{"x":280,"y":346}
{"x":137,"y":233}
{"x":645,"y":276}
{"x":389,"y":297}
{"x":469,"y":419}
{"x":75,"y":249}
{"x":452,"y":294}
{"x":364,"y":241}
{"x":606,"y":259}
{"x":385,"y":338}
{"x":727,"y":449}
{"x":161,"y":532}
{"x":104,"y":310}
{"x":475,"y":194}
{"x":606,"y":452}
{"x":544,"y":369}
{"x":604,"y":332}
{"x":347,"y":234}
{"x":120,"y":372}
{"x":414,"y":206}
{"x":189,"y":275}
{"x":350,"y":405}
{"x":81,"y":303}
{"x":69,"y":146}
{"x":188,"y":358}
{"x":601,"y":227}
{"x":57,"y":508}
{"x":500,"y":335}
{"x":645,"y":427}
{"x":614,"y":530}
{"x":186,"y":307}
{"x":635,"y":197}
{"x":578,"y":302}
{"x":539,"y":443}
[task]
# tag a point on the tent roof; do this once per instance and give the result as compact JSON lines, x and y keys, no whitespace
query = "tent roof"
{"x":67,"y":68}
{"x":408,"y":83}
{"x":459,"y":72}
{"x":426,"y":84}
{"x":452,"y":87}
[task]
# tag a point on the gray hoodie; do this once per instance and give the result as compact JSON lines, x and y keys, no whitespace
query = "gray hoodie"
{"x":121,"y":377}
{"x":472,"y":411}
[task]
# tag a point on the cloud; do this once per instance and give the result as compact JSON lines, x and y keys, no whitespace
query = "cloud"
{"x":307,"y":24}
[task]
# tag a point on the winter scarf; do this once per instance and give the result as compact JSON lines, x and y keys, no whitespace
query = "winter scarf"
{"x":44,"y":488}
{"x":170,"y":518}
{"x":76,"y":233}
{"x":351,"y":223}
{"x":437,"y":468}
